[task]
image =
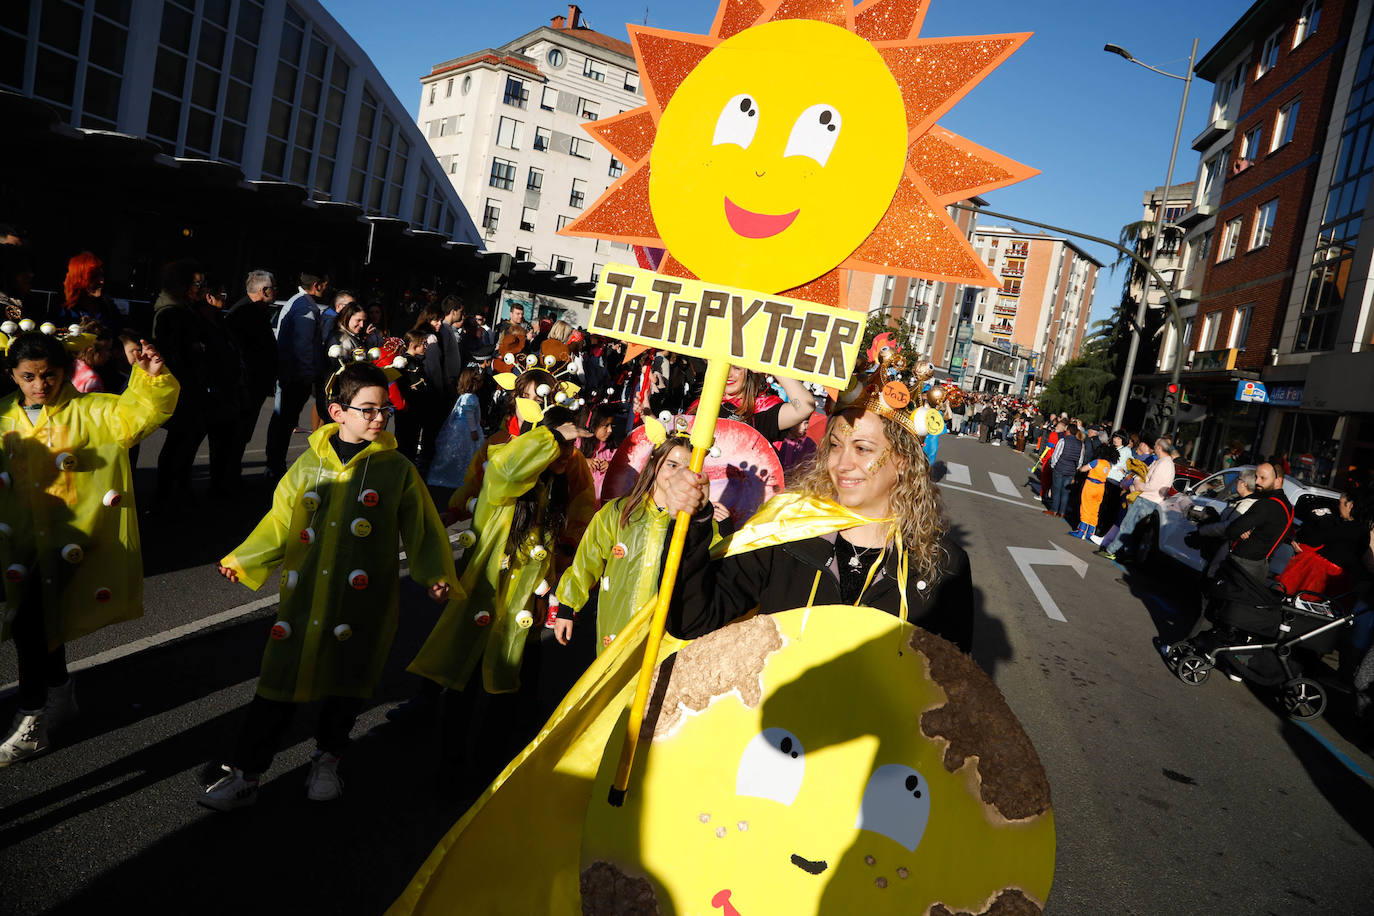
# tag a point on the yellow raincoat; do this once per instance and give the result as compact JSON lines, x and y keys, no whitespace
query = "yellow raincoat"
{"x":625,"y":559}
{"x":346,"y":535}
{"x":533,"y":812}
{"x":500,"y":584}
{"x":47,"y":508}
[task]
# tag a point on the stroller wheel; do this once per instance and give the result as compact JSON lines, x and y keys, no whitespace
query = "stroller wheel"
{"x":1192,"y":670}
{"x":1303,"y":698}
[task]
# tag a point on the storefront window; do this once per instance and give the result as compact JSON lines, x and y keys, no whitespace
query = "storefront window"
{"x":1308,"y":447}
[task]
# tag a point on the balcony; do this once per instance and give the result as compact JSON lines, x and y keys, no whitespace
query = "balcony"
{"x":1192,"y":217}
{"x":1212,"y":133}
{"x":1017,"y":271}
{"x":1018,"y":251}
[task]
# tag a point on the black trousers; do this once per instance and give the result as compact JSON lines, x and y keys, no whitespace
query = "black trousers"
{"x":39,"y":667}
{"x":294,"y":396}
{"x":266,"y":721}
{"x":185,"y":432}
{"x":248,"y":424}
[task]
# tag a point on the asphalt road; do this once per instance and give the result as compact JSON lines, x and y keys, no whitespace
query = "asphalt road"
{"x":1168,"y":798}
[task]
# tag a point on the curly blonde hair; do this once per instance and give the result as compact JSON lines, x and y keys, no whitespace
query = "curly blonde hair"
{"x":915,"y":501}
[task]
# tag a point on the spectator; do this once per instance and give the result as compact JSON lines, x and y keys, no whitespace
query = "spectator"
{"x":1064,"y":461}
{"x":226,"y":387}
{"x":377,"y":327}
{"x":299,"y":360}
{"x":248,"y":321}
{"x":182,"y":335}
{"x":412,"y":395}
{"x":87,"y":365}
{"x":989,"y":422}
{"x":342,"y":299}
{"x":346,"y":334}
{"x":515,"y":324}
{"x":84,"y":294}
{"x":1152,"y":491}
{"x":1245,"y":498}
{"x":447,"y":356}
{"x":15,"y":277}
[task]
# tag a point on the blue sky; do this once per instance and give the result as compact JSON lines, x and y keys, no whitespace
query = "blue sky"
{"x":1098,"y":127}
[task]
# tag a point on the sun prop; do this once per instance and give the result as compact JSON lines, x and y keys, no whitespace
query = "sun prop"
{"x":798,"y":140}
{"x":794,"y":142}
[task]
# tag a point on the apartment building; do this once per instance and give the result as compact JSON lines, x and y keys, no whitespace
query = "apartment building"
{"x":1254,"y":221}
{"x":1168,"y":256}
{"x":505,"y":124}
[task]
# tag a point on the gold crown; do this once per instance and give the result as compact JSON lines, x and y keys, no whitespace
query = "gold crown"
{"x":893,"y":391}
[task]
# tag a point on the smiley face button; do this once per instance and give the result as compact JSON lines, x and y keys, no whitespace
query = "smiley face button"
{"x":618,"y":551}
{"x":310,"y":500}
{"x":360,"y":527}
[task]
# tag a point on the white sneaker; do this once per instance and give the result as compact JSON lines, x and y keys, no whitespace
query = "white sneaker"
{"x":235,"y":789}
{"x":323,"y":783}
{"x":28,"y":737}
{"x":61,"y":706}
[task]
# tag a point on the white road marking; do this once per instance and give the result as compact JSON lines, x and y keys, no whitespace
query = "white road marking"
{"x":1026,"y":557}
{"x":1014,"y":502}
{"x":166,"y":636}
{"x":1002,"y":484}
{"x":957,"y":473}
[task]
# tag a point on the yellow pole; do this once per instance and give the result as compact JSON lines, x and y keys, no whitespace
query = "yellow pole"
{"x":703,"y":437}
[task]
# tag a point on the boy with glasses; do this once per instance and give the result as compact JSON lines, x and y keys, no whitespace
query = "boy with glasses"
{"x":337,"y":519}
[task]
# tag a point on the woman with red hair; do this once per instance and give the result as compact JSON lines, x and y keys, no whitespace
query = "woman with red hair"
{"x":84,"y":294}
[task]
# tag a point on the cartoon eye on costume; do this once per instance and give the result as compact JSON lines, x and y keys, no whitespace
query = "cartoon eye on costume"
{"x":896,"y":804}
{"x":814,"y":134}
{"x":737,"y":122}
{"x":772,"y":766}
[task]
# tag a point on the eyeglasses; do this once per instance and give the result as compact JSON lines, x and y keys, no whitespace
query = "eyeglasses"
{"x":371,"y":413}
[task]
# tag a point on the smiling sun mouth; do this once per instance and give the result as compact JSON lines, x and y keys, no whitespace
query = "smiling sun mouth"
{"x":753,"y":225}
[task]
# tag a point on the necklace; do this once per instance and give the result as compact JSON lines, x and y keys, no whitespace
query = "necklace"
{"x":858,"y":556}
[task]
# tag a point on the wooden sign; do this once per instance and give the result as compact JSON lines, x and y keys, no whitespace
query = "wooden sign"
{"x":766,"y":333}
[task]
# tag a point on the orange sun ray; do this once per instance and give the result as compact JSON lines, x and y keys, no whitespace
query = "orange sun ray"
{"x":628,"y":135}
{"x":889,"y":20}
{"x":734,"y":16}
{"x":665,"y":58}
{"x":935,"y":73}
{"x":918,"y":238}
{"x":834,"y":12}
{"x":622,"y":214}
{"x":958,"y":169}
{"x":827,"y":289}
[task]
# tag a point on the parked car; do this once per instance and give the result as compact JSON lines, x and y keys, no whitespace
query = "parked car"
{"x":1165,"y":532}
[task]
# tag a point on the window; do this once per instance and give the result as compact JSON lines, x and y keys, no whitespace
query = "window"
{"x":563,"y":221}
{"x":491,"y":215}
{"x":1210,"y":325}
{"x":555,"y":57}
{"x":1307,"y":21}
{"x":522,"y":254}
{"x":588,"y":110}
{"x":549,"y":99}
{"x":1269,"y":55}
{"x":453,"y":165}
{"x":435,"y":127}
{"x":535,"y":181}
{"x":433,"y":88}
{"x":542,"y":138}
{"x":1250,"y":143}
{"x":561,"y":265}
{"x":617,"y":168}
{"x":527,"y":219}
{"x":1240,"y":326}
{"x":1226,"y":88}
{"x":1284,"y":124}
{"x":508,"y":131}
{"x":448,"y":89}
{"x":516,"y":92}
{"x":443,"y":127}
{"x":579,"y":147}
{"x":594,"y":69}
{"x":578,"y":197}
{"x":1264,"y":224}
{"x":631,"y":82}
{"x":1212,"y":177}
{"x":596,"y":272}
{"x":1230,"y":240}
{"x":502,"y":174}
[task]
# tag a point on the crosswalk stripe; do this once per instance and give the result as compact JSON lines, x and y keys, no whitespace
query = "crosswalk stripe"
{"x":957,"y":473}
{"x":1002,"y":484}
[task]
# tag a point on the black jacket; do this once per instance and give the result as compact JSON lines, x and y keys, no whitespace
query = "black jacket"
{"x":708,"y":595}
{"x":1342,"y":542}
{"x":1267,"y":521}
{"x":251,"y":326}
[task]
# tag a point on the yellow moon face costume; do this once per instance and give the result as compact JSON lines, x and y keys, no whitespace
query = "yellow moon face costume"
{"x":800,"y":763}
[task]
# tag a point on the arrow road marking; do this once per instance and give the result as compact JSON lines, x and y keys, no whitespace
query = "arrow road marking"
{"x":1026,"y":557}
{"x":1002,"y":484}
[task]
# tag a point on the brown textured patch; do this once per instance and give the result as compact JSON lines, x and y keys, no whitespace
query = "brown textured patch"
{"x":731,"y":658}
{"x":1011,"y":902}
{"x":978,"y":724}
{"x":608,"y":891}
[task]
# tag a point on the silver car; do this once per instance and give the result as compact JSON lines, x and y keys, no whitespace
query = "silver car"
{"x":1169,"y":527}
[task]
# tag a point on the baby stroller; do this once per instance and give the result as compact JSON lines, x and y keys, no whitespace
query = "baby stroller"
{"x":1268,"y":638}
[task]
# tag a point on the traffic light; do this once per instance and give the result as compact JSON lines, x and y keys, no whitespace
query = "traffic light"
{"x":1170,"y":405}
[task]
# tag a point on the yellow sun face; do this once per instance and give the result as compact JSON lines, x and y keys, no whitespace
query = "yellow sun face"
{"x":755,"y":164}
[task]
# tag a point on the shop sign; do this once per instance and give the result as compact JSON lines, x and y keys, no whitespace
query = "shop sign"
{"x":1251,"y":392}
{"x":1286,"y":395}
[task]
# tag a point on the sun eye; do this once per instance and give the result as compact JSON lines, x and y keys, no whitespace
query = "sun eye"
{"x":772,"y":767}
{"x":738,"y":121}
{"x":814,"y":134}
{"x":896,"y":804}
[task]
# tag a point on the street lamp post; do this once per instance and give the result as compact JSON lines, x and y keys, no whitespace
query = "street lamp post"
{"x":1125,"y":391}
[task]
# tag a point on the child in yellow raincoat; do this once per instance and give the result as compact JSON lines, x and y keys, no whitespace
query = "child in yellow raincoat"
{"x":68,"y":527}
{"x":622,"y":550}
{"x":335,"y":522}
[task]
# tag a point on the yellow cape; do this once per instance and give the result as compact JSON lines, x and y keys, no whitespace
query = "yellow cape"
{"x":517,"y":849}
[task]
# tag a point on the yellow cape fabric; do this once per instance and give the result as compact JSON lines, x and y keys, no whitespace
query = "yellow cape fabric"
{"x":517,"y":849}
